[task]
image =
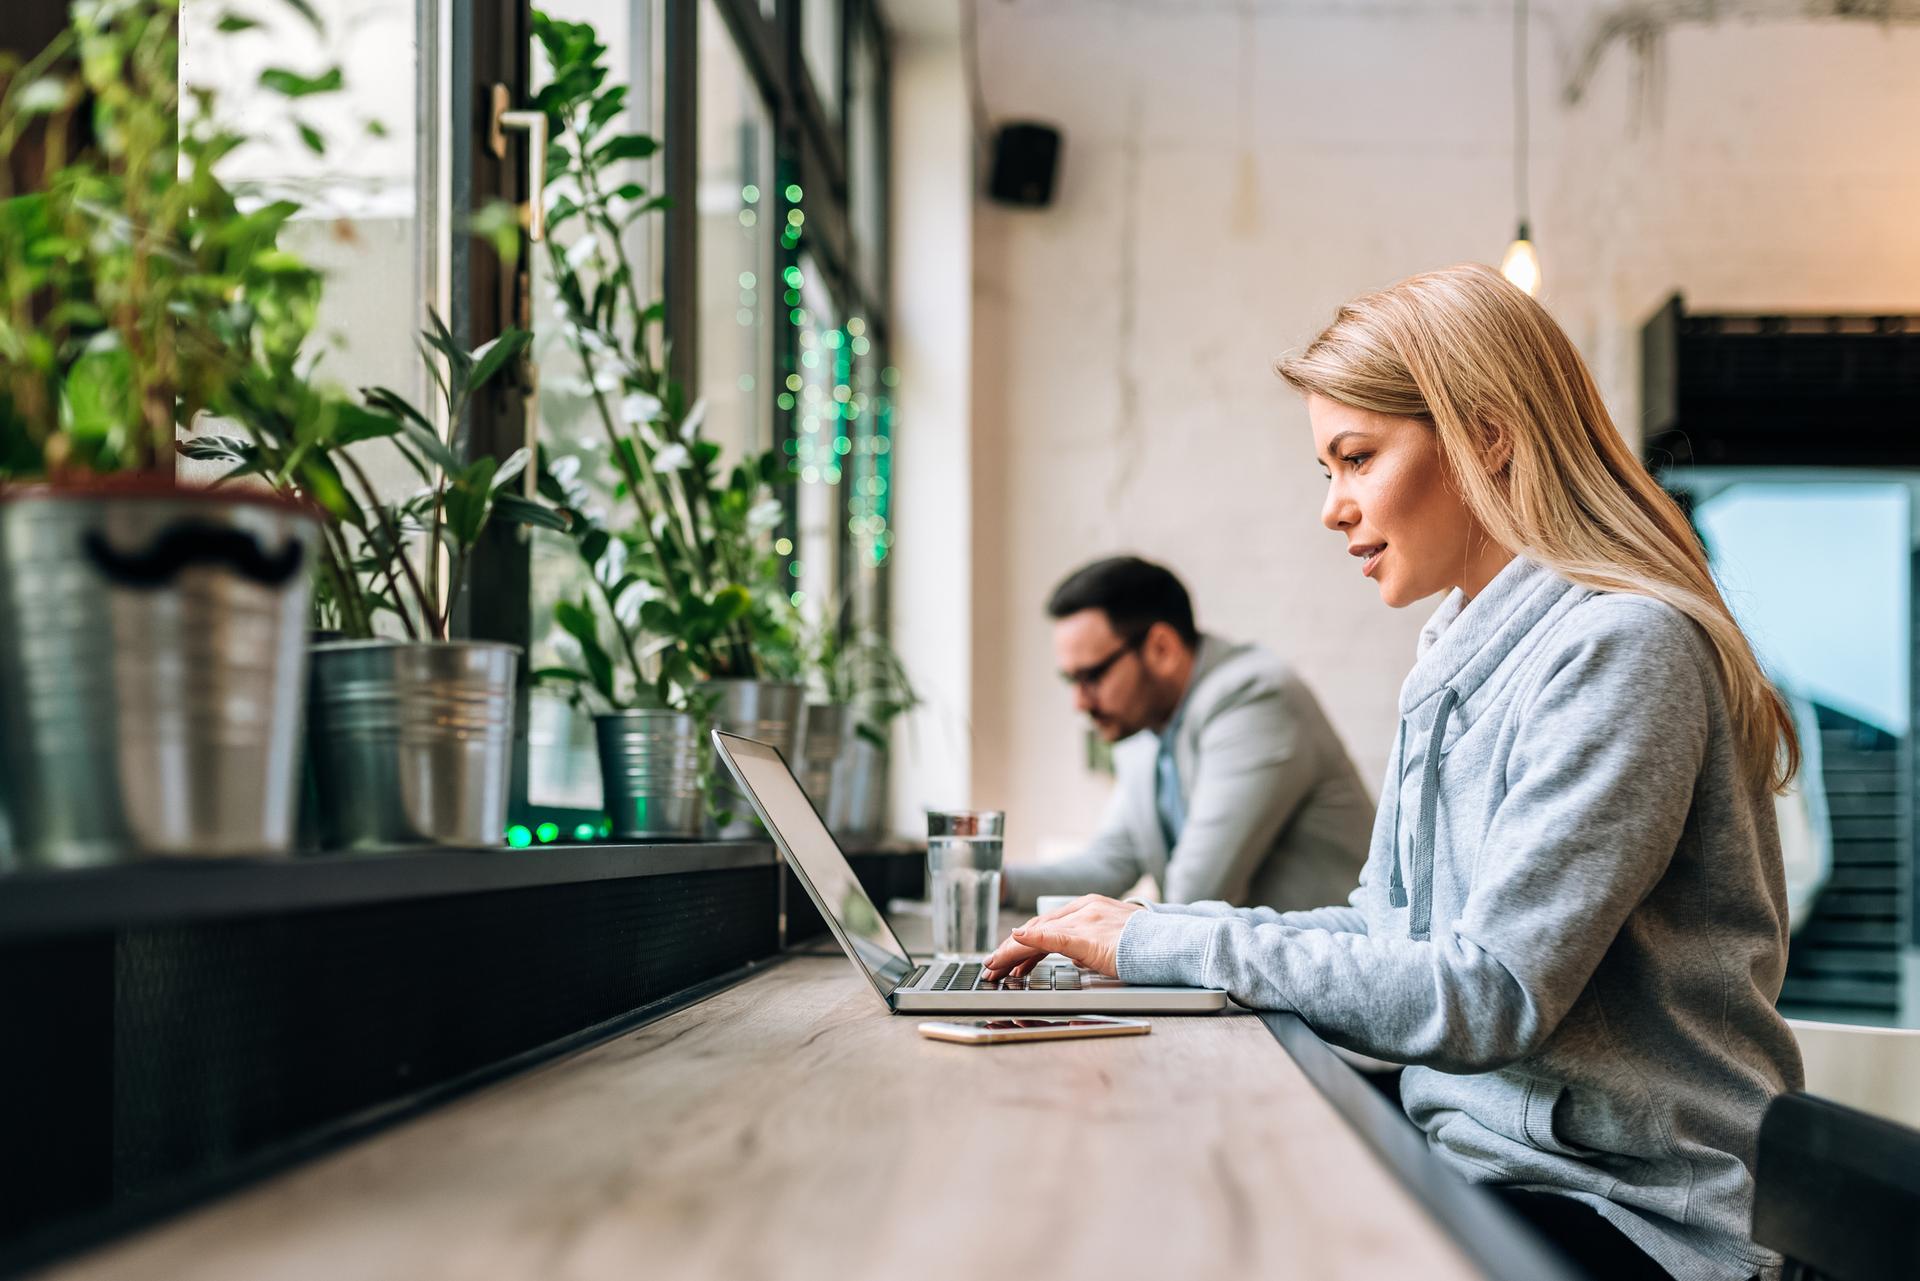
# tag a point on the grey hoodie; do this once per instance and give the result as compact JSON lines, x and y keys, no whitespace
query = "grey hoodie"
{"x":1572,"y":922}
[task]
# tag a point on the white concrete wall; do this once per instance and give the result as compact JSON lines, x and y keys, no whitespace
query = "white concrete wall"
{"x":934,"y":564}
{"x":1230,"y":174}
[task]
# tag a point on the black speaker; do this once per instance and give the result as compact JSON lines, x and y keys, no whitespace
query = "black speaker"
{"x":1025,"y":157}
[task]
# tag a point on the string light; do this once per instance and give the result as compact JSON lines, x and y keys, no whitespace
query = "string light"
{"x":1521,"y":263}
{"x":843,"y":431}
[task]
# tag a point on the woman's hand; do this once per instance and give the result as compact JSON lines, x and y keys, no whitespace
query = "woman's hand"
{"x":1085,"y":931}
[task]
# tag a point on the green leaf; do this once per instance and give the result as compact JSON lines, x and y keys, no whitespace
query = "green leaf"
{"x":232,"y":23}
{"x":626,"y":146}
{"x":294,"y":85}
{"x":419,"y":433}
{"x":305,"y":9}
{"x":98,"y":400}
{"x":352,"y":424}
{"x":316,"y":142}
{"x":518,"y":511}
{"x":578,"y":621}
{"x":491,"y":358}
{"x":217,"y":449}
{"x":607,"y":106}
{"x":470,"y":501}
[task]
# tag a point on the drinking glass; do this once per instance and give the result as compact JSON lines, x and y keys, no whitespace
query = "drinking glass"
{"x":964,"y":852}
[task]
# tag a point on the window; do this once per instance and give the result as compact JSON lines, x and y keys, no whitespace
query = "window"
{"x":563,"y":769}
{"x":820,"y":439}
{"x":783,"y":340}
{"x":738,"y":284}
{"x":820,"y":48}
{"x":368,"y":174}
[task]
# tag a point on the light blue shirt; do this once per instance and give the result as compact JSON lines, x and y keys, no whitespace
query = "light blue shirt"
{"x":1166,"y":780}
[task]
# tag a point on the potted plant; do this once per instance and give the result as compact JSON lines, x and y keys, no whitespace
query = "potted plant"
{"x":649,"y":716}
{"x":412,"y":730}
{"x":861,"y":689}
{"x":698,"y":572}
{"x":151,"y":635}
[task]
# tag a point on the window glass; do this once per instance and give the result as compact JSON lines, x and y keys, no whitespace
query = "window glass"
{"x":563,"y":768}
{"x":866,"y":194}
{"x":820,"y":46}
{"x":737,"y":279}
{"x":820,"y":439}
{"x":363,"y":163}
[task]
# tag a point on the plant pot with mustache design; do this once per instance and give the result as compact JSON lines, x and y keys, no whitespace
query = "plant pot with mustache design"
{"x":152,"y":665}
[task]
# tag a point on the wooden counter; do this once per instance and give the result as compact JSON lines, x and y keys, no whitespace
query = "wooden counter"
{"x":789,"y":1128}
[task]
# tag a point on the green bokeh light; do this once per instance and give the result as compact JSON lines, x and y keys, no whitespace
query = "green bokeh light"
{"x":547,"y":832}
{"x":519,"y":837}
{"x":585,"y":831}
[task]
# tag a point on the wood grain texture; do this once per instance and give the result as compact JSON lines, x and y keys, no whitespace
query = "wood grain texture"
{"x":790,"y":1128}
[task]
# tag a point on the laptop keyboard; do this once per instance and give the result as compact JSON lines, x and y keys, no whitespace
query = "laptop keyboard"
{"x":955,"y":976}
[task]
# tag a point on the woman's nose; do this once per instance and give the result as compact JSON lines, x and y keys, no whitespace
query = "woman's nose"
{"x":1339,"y":511}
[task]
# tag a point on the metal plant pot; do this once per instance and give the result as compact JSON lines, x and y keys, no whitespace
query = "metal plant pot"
{"x":412,"y":742}
{"x":771,"y":712}
{"x":857,"y":805}
{"x":152,"y":653}
{"x":819,"y":751}
{"x":650,"y":773}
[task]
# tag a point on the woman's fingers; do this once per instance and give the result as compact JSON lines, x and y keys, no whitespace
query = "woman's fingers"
{"x":1042,"y":939}
{"x":1010,"y":957}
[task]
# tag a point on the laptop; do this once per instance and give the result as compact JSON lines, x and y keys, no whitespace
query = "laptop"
{"x":936,"y":987}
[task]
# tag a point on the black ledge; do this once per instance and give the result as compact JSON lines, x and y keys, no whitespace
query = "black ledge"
{"x":48,"y":903}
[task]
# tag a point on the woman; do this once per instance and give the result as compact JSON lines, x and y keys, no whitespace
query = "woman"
{"x":1572,"y":924}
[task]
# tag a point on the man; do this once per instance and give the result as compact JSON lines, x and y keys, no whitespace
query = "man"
{"x":1231,"y":785}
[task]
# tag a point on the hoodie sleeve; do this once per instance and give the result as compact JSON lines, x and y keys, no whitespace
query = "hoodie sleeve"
{"x":1339,"y":918}
{"x":1599,"y":789}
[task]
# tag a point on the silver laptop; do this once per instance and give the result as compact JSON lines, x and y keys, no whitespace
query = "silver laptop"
{"x":1054,"y":987}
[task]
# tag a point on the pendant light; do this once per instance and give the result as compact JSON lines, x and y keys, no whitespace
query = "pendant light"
{"x":1521,"y":264}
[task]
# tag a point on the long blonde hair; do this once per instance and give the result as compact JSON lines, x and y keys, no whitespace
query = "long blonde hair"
{"x":1535,"y":456}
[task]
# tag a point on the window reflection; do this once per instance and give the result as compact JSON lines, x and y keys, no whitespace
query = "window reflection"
{"x":1819,"y":575}
{"x":737,"y":279}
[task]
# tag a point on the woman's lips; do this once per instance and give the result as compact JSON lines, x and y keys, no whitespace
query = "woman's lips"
{"x":1372,"y":561}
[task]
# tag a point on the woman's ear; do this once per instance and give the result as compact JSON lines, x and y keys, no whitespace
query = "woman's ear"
{"x":1497,"y":453}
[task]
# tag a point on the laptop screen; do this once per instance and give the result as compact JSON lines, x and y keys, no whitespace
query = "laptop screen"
{"x":816,"y":859}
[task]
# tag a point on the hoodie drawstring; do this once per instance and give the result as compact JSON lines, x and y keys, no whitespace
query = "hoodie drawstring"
{"x":1396,"y":879}
{"x":1420,"y":919}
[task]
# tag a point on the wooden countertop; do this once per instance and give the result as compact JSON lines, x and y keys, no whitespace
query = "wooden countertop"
{"x":790,"y":1128}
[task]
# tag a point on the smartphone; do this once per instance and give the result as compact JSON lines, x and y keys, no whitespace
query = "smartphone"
{"x":994,"y":1031}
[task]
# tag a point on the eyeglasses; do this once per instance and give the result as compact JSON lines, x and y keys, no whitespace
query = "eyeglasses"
{"x":1090,"y":676}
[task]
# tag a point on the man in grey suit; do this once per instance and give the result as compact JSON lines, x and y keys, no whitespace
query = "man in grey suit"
{"x":1230,"y":783}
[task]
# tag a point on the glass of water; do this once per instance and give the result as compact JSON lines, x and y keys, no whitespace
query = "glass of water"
{"x":964,"y":851}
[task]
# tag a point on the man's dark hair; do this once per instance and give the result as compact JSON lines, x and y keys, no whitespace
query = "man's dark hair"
{"x":1133,"y":593}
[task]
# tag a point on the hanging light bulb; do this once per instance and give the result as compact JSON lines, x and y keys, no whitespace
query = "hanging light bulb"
{"x":1522,"y":263}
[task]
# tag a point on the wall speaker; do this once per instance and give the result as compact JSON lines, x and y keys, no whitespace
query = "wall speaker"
{"x":1026,"y":157}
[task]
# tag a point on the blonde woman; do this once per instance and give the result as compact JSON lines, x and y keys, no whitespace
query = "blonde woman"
{"x":1572,"y":923}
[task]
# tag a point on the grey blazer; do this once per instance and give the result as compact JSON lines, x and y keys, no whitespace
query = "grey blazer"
{"x":1276,"y":814}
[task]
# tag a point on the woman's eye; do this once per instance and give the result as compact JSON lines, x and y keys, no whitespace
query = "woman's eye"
{"x":1355,"y":460}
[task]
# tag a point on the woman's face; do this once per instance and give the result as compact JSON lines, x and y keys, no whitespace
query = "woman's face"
{"x":1388,"y":493}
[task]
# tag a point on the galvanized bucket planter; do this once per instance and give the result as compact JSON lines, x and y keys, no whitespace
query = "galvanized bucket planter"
{"x":650,"y":774}
{"x":771,"y":712}
{"x":857,"y":804}
{"x":412,"y":742}
{"x":152,"y":662}
{"x":826,"y":732}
